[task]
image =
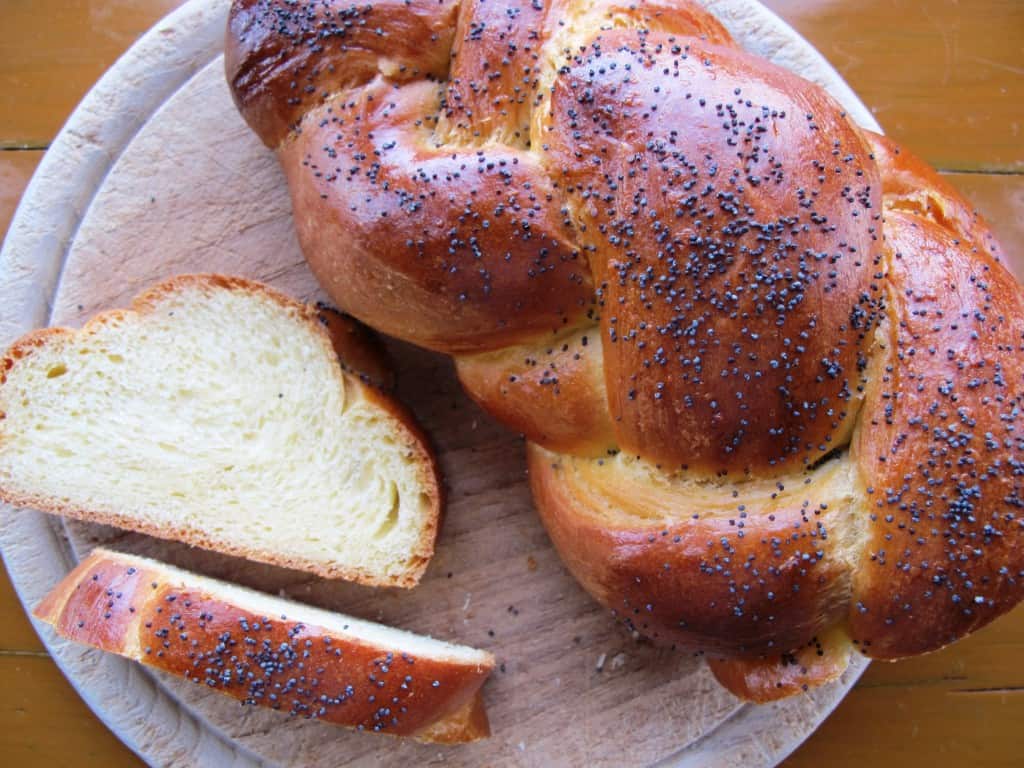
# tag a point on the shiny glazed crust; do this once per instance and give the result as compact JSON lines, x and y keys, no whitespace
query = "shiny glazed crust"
{"x":782,"y":435}
{"x":940,"y":448}
{"x":138,"y":609}
{"x":555,"y":396}
{"x":761,"y":680}
{"x":350,"y":341}
{"x":767,"y":577}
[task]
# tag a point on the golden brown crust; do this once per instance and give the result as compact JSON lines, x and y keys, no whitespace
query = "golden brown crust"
{"x":767,"y":573}
{"x":739,"y":246}
{"x":553,"y":394}
{"x":404,"y":425}
{"x":509,"y":270}
{"x":775,"y":677}
{"x":359,"y":350}
{"x":721,"y":221}
{"x":126,"y":606}
{"x":363,"y":118}
{"x":478,"y":108}
{"x":282,"y":59}
{"x":468,"y":723}
{"x":941,"y":448}
{"x":910,"y":184}
{"x":679,"y":18}
{"x":366,"y":170}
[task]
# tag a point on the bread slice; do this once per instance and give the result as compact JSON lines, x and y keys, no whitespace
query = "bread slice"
{"x":272,"y":652}
{"x":214,"y":411}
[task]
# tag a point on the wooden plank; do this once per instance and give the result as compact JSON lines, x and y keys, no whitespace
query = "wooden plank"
{"x":944,"y":77}
{"x":46,"y":723}
{"x":947,"y":79}
{"x":16,"y":168}
{"x":51,"y":53}
{"x":987,"y":659}
{"x":918,"y":727}
{"x":949,"y":706}
{"x":958,"y":704}
{"x":16,"y":633}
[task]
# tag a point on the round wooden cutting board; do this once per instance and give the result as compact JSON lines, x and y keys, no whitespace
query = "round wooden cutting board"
{"x":155,"y":175}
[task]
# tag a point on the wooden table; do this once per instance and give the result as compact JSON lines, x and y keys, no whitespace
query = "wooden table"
{"x":944,"y":77}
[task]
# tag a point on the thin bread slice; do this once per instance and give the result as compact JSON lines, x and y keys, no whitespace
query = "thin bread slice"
{"x":214,"y":411}
{"x":272,"y":652}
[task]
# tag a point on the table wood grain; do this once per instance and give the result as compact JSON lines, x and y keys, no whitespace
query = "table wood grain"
{"x":944,"y":77}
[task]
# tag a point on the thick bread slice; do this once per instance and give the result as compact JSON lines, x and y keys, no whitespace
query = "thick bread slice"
{"x":214,"y":411}
{"x":272,"y":652}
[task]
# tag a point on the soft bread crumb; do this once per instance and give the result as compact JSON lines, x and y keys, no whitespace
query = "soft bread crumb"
{"x":215,"y":412}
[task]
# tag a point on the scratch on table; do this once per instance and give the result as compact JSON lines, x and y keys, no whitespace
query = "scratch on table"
{"x":948,"y":34}
{"x":998,"y":65}
{"x":927,"y":683}
{"x":34,"y":654}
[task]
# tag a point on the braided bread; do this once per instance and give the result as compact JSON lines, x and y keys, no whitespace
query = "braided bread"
{"x":768,"y":365}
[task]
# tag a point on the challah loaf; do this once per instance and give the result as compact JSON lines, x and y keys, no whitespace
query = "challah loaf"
{"x":769,"y":366}
{"x":270,"y":652}
{"x":214,"y":411}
